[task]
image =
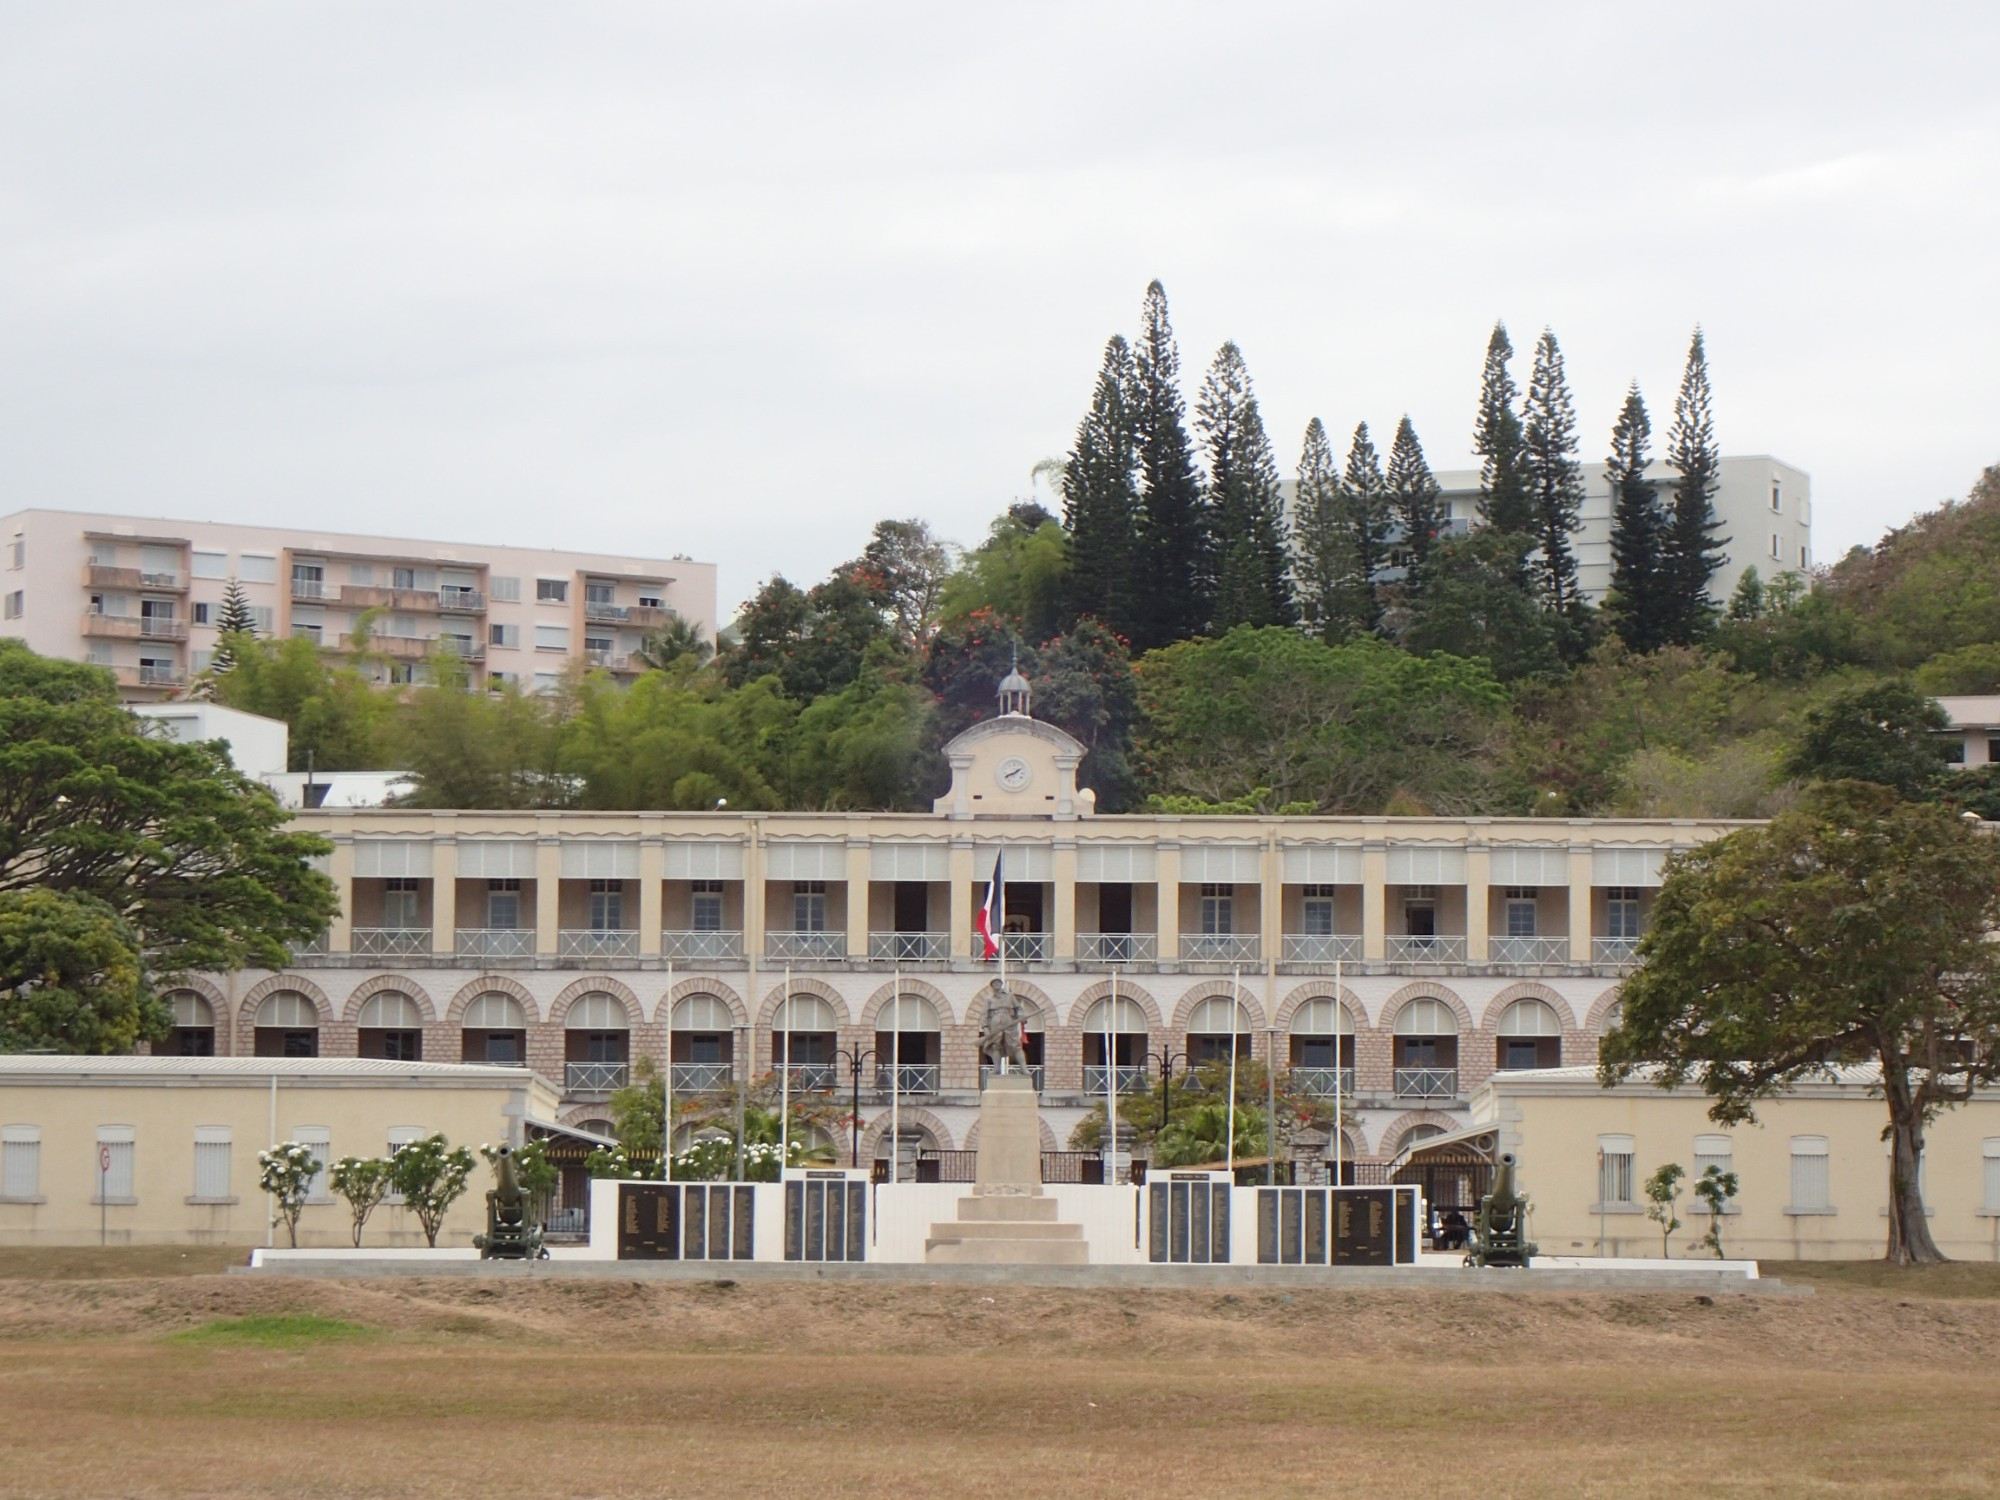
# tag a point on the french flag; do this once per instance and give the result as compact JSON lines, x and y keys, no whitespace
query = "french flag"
{"x":990,"y":918}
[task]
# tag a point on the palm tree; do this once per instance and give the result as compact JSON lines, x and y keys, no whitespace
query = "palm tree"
{"x":674,"y":640}
{"x":1201,"y":1135}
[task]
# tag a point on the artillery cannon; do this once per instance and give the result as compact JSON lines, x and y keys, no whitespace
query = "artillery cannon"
{"x":513,"y":1229}
{"x":1499,"y":1231}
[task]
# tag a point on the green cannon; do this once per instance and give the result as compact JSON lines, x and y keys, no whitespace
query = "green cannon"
{"x":513,"y":1229}
{"x":1500,"y":1232}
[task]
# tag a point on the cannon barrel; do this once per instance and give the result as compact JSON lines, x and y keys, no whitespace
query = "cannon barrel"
{"x":508,"y":1178}
{"x":1504,"y":1191}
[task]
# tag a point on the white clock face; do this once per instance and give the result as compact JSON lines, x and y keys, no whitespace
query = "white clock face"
{"x":1013,"y":773}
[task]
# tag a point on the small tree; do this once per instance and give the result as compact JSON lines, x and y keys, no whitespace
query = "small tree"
{"x":286,"y":1173}
{"x":430,"y":1175}
{"x":1715,"y":1188}
{"x":363,"y":1181}
{"x":1663,"y":1194}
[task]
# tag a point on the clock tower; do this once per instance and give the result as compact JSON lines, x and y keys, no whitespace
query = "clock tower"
{"x":1015,"y":766}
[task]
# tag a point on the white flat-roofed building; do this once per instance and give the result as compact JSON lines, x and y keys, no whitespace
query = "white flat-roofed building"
{"x":1975,"y":728}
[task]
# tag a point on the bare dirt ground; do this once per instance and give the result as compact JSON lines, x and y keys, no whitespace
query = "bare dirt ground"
{"x":175,"y":1382}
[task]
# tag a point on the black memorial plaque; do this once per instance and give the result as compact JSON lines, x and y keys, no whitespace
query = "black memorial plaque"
{"x":648,"y":1222}
{"x":1364,"y":1226}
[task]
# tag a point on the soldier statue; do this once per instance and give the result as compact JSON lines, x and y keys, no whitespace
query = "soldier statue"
{"x":1001,"y":1032}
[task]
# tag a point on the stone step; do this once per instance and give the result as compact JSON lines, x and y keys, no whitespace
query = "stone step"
{"x":1007,"y":1252}
{"x":1010,"y":1208}
{"x":1001,"y":1230}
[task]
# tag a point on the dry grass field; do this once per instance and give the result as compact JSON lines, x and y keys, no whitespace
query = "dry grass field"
{"x":144,"y":1374}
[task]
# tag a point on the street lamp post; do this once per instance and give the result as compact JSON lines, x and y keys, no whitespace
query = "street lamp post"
{"x":1166,"y":1057}
{"x":854,"y":1057}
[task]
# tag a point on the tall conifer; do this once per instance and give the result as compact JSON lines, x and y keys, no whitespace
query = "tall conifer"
{"x":232,"y":620}
{"x":1640,"y":586}
{"x":1504,"y":501}
{"x":1173,"y":576}
{"x":1555,"y":478}
{"x":1364,"y":504}
{"x":1416,"y":501}
{"x":1245,"y":503}
{"x":1694,"y":551}
{"x":1323,"y":545}
{"x":1100,"y":501}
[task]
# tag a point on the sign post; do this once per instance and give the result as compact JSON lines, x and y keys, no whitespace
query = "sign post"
{"x":103,"y":1196}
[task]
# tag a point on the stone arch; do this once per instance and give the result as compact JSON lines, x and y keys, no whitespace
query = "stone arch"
{"x":1600,"y":1007}
{"x":1048,"y":1136}
{"x":263,"y":988}
{"x":804,"y":984}
{"x":873,"y":1005}
{"x":582,"y":1115}
{"x":1392,"y":1134}
{"x":218,"y":1003}
{"x":1209,"y":989}
{"x":875,"y":1130}
{"x":1321,"y":989}
{"x":492,"y":984}
{"x":596,"y":984}
{"x":664,"y":1011}
{"x":1529,"y":990}
{"x":1428,"y":989}
{"x":1080,"y":1006}
{"x":400,"y":985}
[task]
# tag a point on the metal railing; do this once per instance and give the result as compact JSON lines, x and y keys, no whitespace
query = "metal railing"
{"x":805,"y":947}
{"x":162,"y":628}
{"x":462,"y":646}
{"x":1528,"y":952}
{"x":1130,"y":1080}
{"x":1037,"y":1074}
{"x":574,"y":942}
{"x":1321,"y":948}
{"x":389,"y":942}
{"x":909,"y":947}
{"x":1220,"y":947}
{"x":613,"y":613}
{"x":1323,"y":1083}
{"x":815,"y":1076}
{"x":492,"y":943}
{"x":910,"y":1078}
{"x":1117,"y":947}
{"x":1025,"y":947}
{"x":1426,"y":1083}
{"x":1614,"y":951}
{"x":460,"y":599}
{"x":701,"y":1078}
{"x":1437,"y":948}
{"x":703,"y":947}
{"x":596,"y":1077}
{"x":314,"y":588}
{"x":161,"y":676}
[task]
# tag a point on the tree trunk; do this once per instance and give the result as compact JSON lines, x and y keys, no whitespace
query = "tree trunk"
{"x":1910,"y":1242}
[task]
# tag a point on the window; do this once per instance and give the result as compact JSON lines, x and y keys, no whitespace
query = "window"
{"x":1989,"y":1151}
{"x":498,"y":682}
{"x":17,"y":553}
{"x":201,"y":613}
{"x":1420,"y":910}
{"x":503,"y":635}
{"x":596,"y":591}
{"x":599,"y":645}
{"x":651,"y":600}
{"x":1520,"y":911}
{"x":1216,"y":904}
{"x":552,"y":638}
{"x":255,"y":567}
{"x":403,"y":578}
{"x":1615,"y":1156}
{"x":1319,"y":911}
{"x":504,"y":590}
{"x":809,"y":906}
{"x":21,"y":1161}
{"x":112,"y":1166}
{"x":1777,"y":496}
{"x":1810,"y":1185}
{"x":707,"y":905}
{"x":399,"y":1137}
{"x":551,"y":591}
{"x":1621,"y":911}
{"x":199,"y":660}
{"x":1777,"y":547}
{"x":260,"y":618}
{"x":607,"y":906}
{"x":1712,"y":1151}
{"x":318,"y":1140}
{"x":362,"y":574}
{"x":211,"y":1163}
{"x":547,"y":682}
{"x":1803,"y":564}
{"x":287,"y":1025}
{"x":400,"y":898}
{"x":16,"y":602}
{"x":390,"y":1026}
{"x":194,"y":1028}
{"x":99,"y":654}
{"x":503,"y":903}
{"x":209,"y":564}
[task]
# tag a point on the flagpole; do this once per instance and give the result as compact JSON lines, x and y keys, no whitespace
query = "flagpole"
{"x":785,"y":1085}
{"x":1111,"y":1088}
{"x":1339,"y":1019}
{"x":667,"y":1089}
{"x":1236,"y":1001}
{"x":998,"y":901}
{"x":896,"y":1083}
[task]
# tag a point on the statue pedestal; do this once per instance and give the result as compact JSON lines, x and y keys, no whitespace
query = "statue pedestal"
{"x":1006,"y":1219}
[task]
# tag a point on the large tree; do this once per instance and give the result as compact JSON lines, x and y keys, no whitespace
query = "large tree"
{"x":904,"y":566}
{"x":1022,"y":571}
{"x":1852,"y":930}
{"x":1173,"y":575}
{"x":236,"y":625}
{"x":1417,"y":503}
{"x":1364,"y":505}
{"x":1694,"y":550}
{"x":1505,"y":503}
{"x":1322,"y":545}
{"x":1641,"y":591}
{"x":126,"y":860}
{"x":1245,"y":502}
{"x":1887,"y":733}
{"x":812,"y":640}
{"x":1555,"y":478}
{"x":1101,"y":499}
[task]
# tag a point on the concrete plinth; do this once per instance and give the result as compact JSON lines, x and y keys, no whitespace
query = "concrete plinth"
{"x":1010,"y":1139}
{"x":1006,"y":1219}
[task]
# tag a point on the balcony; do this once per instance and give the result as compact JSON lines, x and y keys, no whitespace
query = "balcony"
{"x":497,"y":944}
{"x":814,"y":1078}
{"x":315,"y":590}
{"x":151,"y":674}
{"x":610,"y":661}
{"x":133,"y":627}
{"x":597,"y":945}
{"x":390,"y":942}
{"x":394,"y":647}
{"x":1129,"y":1080}
{"x":1426,"y":1083}
{"x":909,"y":947}
{"x":597,"y":1078}
{"x":1305,"y":949}
{"x":1324,"y":1083}
{"x":1220,"y":948}
{"x":1529,"y":952}
{"x":374,"y":596}
{"x":1025,"y":947}
{"x":458,"y":600}
{"x":910,"y":1078}
{"x":1112,"y":948}
{"x":1614,"y":952}
{"x":98,"y":576}
{"x":806,"y":947}
{"x":701,"y":1077}
{"x":464,"y":647}
{"x":1037,"y":1075}
{"x":703,"y":947}
{"x":634,"y":616}
{"x":1435,"y":948}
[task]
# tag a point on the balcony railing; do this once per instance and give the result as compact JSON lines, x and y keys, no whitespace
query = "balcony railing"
{"x":909,"y":947}
{"x":463,"y":646}
{"x":1130,"y":1080}
{"x":390,"y":942}
{"x":1529,"y":952}
{"x":1614,"y":952}
{"x":1426,"y":1083}
{"x":701,"y":1078}
{"x":1117,"y":947}
{"x":97,"y":622}
{"x":805,"y":947}
{"x":156,"y":676}
{"x":1437,"y":948}
{"x":910,"y":1078}
{"x":610,"y":661}
{"x":1037,"y":1074}
{"x":496,"y":944}
{"x":1323,"y":1083}
{"x":616,"y":614}
{"x":596,"y":1077}
{"x":1025,"y":947}
{"x":815,"y":1077}
{"x":1220,"y":947}
{"x":99,"y":575}
{"x":465,"y":600}
{"x":703,"y":947}
{"x":315,"y":588}
{"x":1318,"y":948}
{"x":597,"y":944}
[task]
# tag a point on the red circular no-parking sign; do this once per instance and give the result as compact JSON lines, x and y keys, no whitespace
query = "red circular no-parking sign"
{"x":104,"y":1158}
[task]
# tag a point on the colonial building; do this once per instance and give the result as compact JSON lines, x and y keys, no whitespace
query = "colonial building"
{"x":1397,"y":961}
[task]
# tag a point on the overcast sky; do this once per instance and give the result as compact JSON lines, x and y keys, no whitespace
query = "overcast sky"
{"x":737,"y":280}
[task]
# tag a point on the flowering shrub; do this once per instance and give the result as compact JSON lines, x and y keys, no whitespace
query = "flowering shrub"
{"x":286,"y":1173}
{"x":364,"y":1182}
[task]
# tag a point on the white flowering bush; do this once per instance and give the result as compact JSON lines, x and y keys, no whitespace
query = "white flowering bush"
{"x":363,"y":1181}
{"x":286,"y":1173}
{"x":431,"y":1174}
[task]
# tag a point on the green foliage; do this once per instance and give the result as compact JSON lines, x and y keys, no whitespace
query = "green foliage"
{"x":286,"y":1172}
{"x":362,"y":1182}
{"x":337,"y":717}
{"x":904,"y":568}
{"x":1173,"y":576}
{"x":1640,"y":607}
{"x":1663,"y":1196}
{"x":1886,"y":732}
{"x":1022,"y":574}
{"x":430,"y":1175}
{"x":1931,"y":587}
{"x":72,"y":977}
{"x":1555,"y":478}
{"x":537,"y":1175}
{"x":1255,"y":803}
{"x":1968,"y":789}
{"x":812,"y":641}
{"x":1250,"y":551}
{"x":710,"y":1119}
{"x":1367,"y":522}
{"x":1693,"y":549}
{"x":1100,"y":502}
{"x":1417,"y":503}
{"x":1715,"y":1188}
{"x":676,"y":641}
{"x":1323,"y":551}
{"x":464,"y":748}
{"x":1505,"y":502}
{"x":1472,"y":605}
{"x":1973,"y":670}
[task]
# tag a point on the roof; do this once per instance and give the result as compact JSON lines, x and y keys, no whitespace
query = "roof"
{"x":1583,"y":1080}
{"x":1972,"y":712}
{"x":69,"y":1068}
